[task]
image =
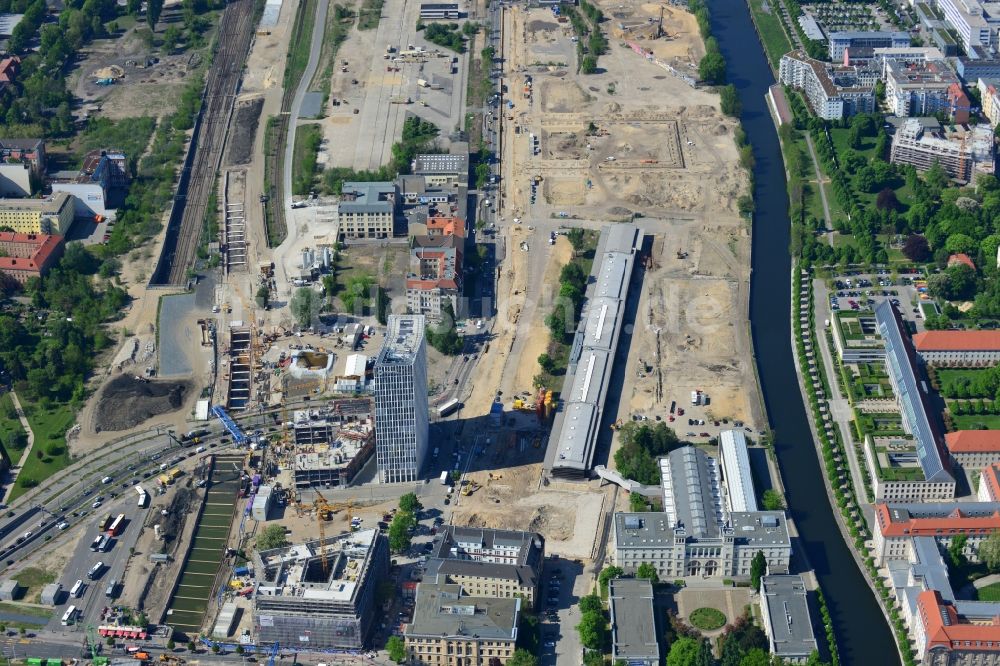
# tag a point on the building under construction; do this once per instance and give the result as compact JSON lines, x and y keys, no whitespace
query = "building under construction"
{"x":962,"y":153}
{"x":240,"y":367}
{"x":320,"y":595}
{"x":332,"y":444}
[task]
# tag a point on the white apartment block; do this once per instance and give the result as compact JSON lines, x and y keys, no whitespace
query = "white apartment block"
{"x":975,"y":21}
{"x":832,"y":92}
{"x":401,"y":400}
{"x":917,"y":89}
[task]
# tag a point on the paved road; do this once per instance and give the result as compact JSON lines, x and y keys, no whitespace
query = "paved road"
{"x":319,"y":27}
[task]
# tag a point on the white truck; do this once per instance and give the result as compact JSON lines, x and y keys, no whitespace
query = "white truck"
{"x":444,"y":478}
{"x":423,"y":83}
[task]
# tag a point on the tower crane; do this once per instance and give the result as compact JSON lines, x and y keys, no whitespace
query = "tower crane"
{"x":324,"y":511}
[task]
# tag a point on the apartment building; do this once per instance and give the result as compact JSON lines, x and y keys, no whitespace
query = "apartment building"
{"x":317,"y":595}
{"x":958,"y":348}
{"x":401,"y":400}
{"x":488,"y":563}
{"x":788,"y":624}
{"x":832,"y":92}
{"x":28,"y":151}
{"x":989,"y":93}
{"x":861,"y":43}
{"x":435,"y":277}
{"x":973,"y":449}
{"x":451,"y":626}
{"x":25,"y":256}
{"x":924,"y":89}
{"x":696,"y":534}
{"x":51,"y":215}
{"x":962,"y":153}
{"x":367,"y":210}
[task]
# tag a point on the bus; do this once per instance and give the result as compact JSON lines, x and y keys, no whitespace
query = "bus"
{"x":448,"y":407}
{"x":77,"y":589}
{"x":103,"y":525}
{"x":104,"y":544}
{"x":116,"y":527}
{"x":69,"y":616}
{"x":95,"y":545}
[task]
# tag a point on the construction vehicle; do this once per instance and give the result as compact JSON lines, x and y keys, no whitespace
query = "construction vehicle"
{"x":91,"y":645}
{"x":617,"y":425}
{"x":523,"y":406}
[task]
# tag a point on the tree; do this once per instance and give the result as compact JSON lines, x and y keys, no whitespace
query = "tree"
{"x":962,"y":282}
{"x":591,"y":604}
{"x":772,"y":500}
{"x":191,"y":646}
{"x":712,"y":68}
{"x":171,"y":644}
{"x":607,"y":573}
{"x":262,"y":295}
{"x":522,"y":657}
{"x":409,"y":503}
{"x":153,"y":10}
{"x":637,"y":503}
{"x":730,"y":101}
{"x":575,"y":236}
{"x":647,"y":570}
{"x":399,"y":531}
{"x":689,"y":651}
{"x":989,"y":551}
{"x":272,"y":536}
{"x":443,"y":336}
{"x":916,"y":248}
{"x":756,"y":657}
{"x":758,"y":567}
{"x":956,"y":551}
{"x":547,"y":363}
{"x":303,"y":306}
{"x":594,"y":658}
{"x":593,"y":630}
{"x":396,"y":649}
{"x":886,"y":200}
{"x":171,"y":37}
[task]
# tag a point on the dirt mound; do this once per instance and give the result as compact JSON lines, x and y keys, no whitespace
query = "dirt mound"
{"x":126,"y":401}
{"x":244,"y":130}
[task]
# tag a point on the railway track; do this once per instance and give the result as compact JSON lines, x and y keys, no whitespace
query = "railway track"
{"x":235,"y":34}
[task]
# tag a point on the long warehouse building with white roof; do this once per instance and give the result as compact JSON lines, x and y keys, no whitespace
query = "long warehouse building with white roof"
{"x":575,"y":430}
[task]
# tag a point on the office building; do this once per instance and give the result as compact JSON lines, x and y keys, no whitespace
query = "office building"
{"x":956,"y":633}
{"x":735,"y":461}
{"x":832,"y":92}
{"x":98,"y":186}
{"x":788,"y":624}
{"x":26,"y":256}
{"x":897,"y":524}
{"x":451,"y":626}
{"x":16,"y":179}
{"x":51,"y":215}
{"x":633,"y":622}
{"x":908,"y":54}
{"x":975,"y":21}
{"x":401,"y":400}
{"x":958,"y":348}
{"x":962,"y":153}
{"x":332,"y":444}
{"x":895,"y":467}
{"x":431,"y":11}
{"x":442,"y":169}
{"x":911,"y":397}
{"x":28,"y":151}
{"x":864,"y":43}
{"x":860,"y":343}
{"x":575,"y":428}
{"x":696,"y":535}
{"x":435,"y":277}
{"x":367,"y":210}
{"x":924,"y":89}
{"x":488,"y":563}
{"x":313,"y":596}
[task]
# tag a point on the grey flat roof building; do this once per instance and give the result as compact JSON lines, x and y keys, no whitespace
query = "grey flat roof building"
{"x":633,"y":622}
{"x":901,"y":365}
{"x":692,"y":495}
{"x":367,"y":197}
{"x":442,"y":611}
{"x":577,"y":424}
{"x":787,"y":622}
{"x":441,"y":164}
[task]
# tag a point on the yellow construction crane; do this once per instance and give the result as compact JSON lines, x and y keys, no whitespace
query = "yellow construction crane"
{"x":324,"y":511}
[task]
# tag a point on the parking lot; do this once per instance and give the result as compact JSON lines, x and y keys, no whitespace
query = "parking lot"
{"x":860,"y":292}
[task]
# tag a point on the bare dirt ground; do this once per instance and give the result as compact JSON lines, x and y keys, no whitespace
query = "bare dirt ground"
{"x":127,"y":401}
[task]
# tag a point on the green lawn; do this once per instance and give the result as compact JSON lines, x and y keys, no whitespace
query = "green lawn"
{"x":49,"y":426}
{"x":989,"y":593}
{"x":9,"y":426}
{"x":776,"y":42}
{"x":34,"y":579}
{"x":976,"y":422}
{"x":25,"y":609}
{"x":707,"y":618}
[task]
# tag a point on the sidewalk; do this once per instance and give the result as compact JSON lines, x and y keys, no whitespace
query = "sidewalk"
{"x":27,"y":451}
